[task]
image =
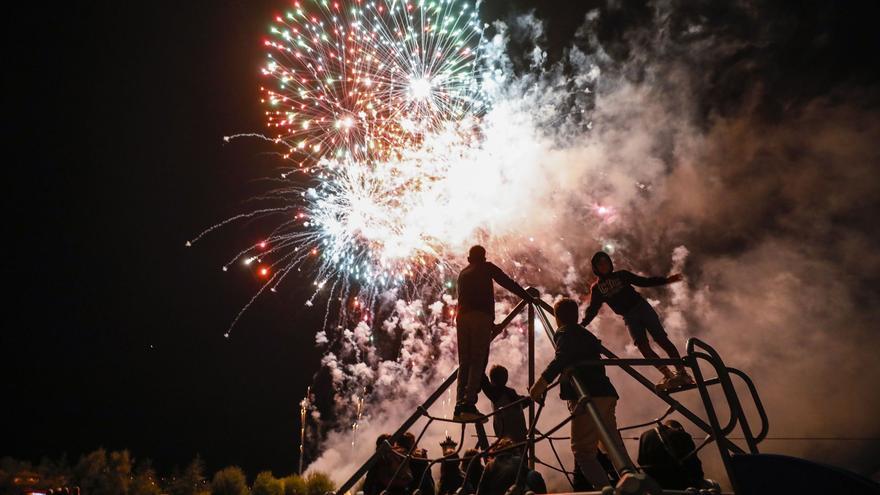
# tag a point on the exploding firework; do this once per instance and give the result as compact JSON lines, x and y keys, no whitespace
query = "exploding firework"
{"x":364,"y":79}
{"x":381,"y":104}
{"x":360,"y":89}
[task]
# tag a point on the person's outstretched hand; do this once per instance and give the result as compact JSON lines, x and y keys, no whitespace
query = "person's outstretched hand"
{"x":676,"y":277}
{"x":538,"y":390}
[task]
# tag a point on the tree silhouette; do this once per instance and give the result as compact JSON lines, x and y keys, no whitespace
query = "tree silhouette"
{"x":229,"y":481}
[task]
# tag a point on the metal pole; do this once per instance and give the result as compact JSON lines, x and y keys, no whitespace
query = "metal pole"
{"x":531,"y":316}
{"x":302,"y":428}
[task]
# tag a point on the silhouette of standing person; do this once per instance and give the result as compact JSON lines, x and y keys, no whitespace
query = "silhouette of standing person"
{"x":475,"y":322}
{"x":574,"y":346}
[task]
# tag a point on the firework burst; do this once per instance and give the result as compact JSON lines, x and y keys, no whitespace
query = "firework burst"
{"x":381,"y":105}
{"x":362,"y":80}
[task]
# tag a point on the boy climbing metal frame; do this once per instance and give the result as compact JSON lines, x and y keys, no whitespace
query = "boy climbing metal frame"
{"x":696,"y":350}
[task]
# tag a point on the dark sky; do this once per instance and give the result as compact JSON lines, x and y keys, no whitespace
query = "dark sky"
{"x":113,"y":330}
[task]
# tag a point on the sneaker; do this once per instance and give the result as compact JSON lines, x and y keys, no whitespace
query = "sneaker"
{"x":468,"y":413}
{"x":682,"y":380}
{"x":675,"y":382}
{"x":664,"y":384}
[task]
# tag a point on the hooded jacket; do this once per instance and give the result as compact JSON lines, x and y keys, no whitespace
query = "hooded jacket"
{"x":616,"y":289}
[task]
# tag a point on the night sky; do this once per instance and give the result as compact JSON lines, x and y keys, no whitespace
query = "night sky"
{"x":113,"y":330}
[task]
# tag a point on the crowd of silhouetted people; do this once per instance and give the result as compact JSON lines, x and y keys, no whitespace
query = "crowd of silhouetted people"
{"x":666,"y":453}
{"x":403,"y":468}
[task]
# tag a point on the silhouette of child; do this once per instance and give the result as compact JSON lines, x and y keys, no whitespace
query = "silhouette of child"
{"x":510,"y":422}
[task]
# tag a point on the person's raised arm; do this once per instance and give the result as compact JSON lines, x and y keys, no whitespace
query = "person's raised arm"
{"x":639,"y":281}
{"x":490,"y":390}
{"x":508,"y":283}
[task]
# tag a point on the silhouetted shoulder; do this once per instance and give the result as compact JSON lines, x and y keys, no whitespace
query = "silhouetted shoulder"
{"x":587,"y":334}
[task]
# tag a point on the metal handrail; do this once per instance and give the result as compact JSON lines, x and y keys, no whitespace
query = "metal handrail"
{"x":726,"y":386}
{"x":765,"y":422}
{"x":716,"y":430}
{"x":737,"y":413}
{"x":712,"y":356}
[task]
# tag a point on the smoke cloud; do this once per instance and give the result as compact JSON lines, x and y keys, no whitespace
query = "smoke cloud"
{"x":675,"y":145}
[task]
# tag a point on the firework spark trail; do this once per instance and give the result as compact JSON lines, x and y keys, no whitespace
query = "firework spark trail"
{"x":241,"y":216}
{"x":229,"y":138}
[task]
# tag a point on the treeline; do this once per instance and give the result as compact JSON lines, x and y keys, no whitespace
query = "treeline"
{"x":117,"y":473}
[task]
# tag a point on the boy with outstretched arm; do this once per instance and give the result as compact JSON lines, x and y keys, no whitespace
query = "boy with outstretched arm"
{"x":616,"y":289}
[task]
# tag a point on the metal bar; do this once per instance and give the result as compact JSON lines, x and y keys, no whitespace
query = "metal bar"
{"x":530,"y":445}
{"x":655,"y":421}
{"x":531,"y":329}
{"x":545,"y":306}
{"x":713,"y":418}
{"x":765,"y":422}
{"x":736,"y":410}
{"x":725,"y":385}
{"x":482,"y":439}
{"x":548,"y":328}
{"x":559,"y":460}
{"x":509,"y":318}
{"x":629,"y":362}
{"x":620,"y":460}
